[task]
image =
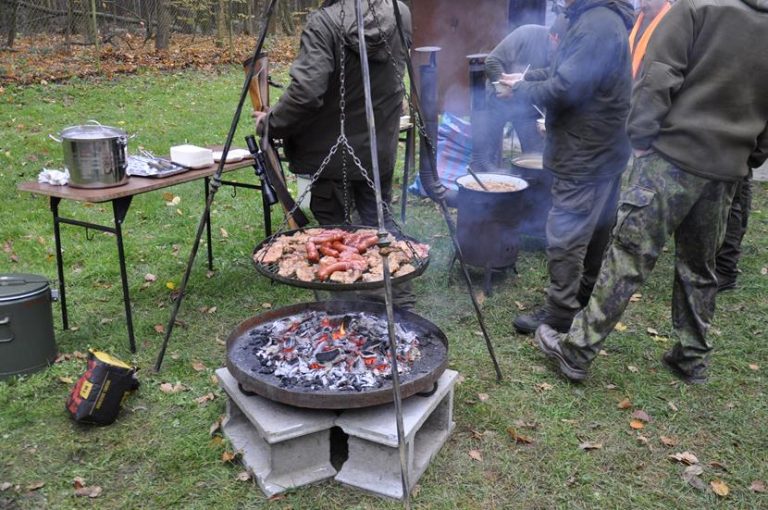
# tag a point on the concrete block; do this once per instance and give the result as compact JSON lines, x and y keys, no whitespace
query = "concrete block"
{"x":283,"y":447}
{"x":374,"y":458}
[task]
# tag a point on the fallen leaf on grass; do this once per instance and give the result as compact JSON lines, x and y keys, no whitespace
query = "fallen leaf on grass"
{"x":205,"y":398}
{"x":634,"y":298}
{"x":757,"y":486}
{"x":637,"y":424}
{"x":602,"y":352}
{"x":764,"y":271}
{"x":66,"y":380}
{"x":521,"y":307}
{"x":266,"y":305}
{"x":35,"y":485}
{"x":642,"y":439}
{"x":476,"y":455}
{"x":212,"y":310}
{"x":79,"y":355}
{"x":209,"y":274}
{"x":483,"y":397}
{"x":277,"y":497}
{"x":624,"y":404}
{"x":228,"y":456}
{"x":170,"y":285}
{"x":672,"y":406}
{"x":519,"y":438}
{"x":543,"y":386}
{"x":216,"y":426}
{"x":667,"y":441}
{"x":588,"y":445}
{"x":7,"y":485}
{"x":620,"y":327}
{"x":686,"y":458}
{"x":633,"y":369}
{"x":172,"y":388}
{"x":224,"y":233}
{"x":159,"y":328}
{"x":720,"y":488}
{"x":652,"y":332}
{"x":610,"y":386}
{"x":198,"y":366}
{"x":641,"y":415}
{"x":149,"y":277}
{"x":243,"y":476}
{"x":753,"y":366}
{"x":718,"y":465}
{"x":521,"y":424}
{"x":167,"y":196}
{"x":691,"y":476}
{"x":90,"y":492}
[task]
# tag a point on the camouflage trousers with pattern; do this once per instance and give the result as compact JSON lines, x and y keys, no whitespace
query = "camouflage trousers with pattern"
{"x":660,"y":201}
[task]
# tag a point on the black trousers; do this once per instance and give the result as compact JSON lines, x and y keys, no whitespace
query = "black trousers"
{"x":728,"y":255}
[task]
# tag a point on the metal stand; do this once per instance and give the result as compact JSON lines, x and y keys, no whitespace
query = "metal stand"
{"x":214,"y":186}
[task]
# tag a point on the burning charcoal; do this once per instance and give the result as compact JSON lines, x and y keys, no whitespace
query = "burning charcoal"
{"x":267,"y":370}
{"x":327,"y":356}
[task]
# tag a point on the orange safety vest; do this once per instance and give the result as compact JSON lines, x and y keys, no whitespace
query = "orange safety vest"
{"x":642,"y":45}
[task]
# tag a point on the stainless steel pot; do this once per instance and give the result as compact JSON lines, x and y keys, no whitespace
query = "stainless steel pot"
{"x":95,"y":155}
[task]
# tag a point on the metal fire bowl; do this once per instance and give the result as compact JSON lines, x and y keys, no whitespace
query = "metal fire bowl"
{"x":271,"y":270}
{"x":423,"y":375}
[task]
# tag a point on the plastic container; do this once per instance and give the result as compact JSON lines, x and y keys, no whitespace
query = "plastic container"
{"x":191,"y":156}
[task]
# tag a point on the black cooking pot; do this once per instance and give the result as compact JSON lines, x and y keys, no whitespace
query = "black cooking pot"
{"x":538,"y":199}
{"x":488,"y":221}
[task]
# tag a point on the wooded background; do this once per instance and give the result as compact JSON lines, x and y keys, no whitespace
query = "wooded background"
{"x":96,"y":22}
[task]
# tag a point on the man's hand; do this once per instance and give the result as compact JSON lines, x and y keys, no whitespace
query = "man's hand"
{"x":258,"y":120}
{"x":639,"y":153}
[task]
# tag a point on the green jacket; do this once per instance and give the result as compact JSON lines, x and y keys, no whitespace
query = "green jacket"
{"x":307,"y":115}
{"x":701,"y":99}
{"x":586,"y":92}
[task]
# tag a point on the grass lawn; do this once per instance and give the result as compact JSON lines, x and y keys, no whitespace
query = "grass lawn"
{"x":159,"y":453}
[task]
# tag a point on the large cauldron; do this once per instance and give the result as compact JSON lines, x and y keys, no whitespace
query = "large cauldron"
{"x":538,"y":199}
{"x":488,"y":221}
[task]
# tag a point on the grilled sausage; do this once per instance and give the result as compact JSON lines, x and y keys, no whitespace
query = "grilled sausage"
{"x":312,"y":254}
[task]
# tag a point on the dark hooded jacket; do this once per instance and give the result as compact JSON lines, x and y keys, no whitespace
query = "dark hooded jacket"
{"x":586,"y":92}
{"x":701,"y":99}
{"x":307,"y":115}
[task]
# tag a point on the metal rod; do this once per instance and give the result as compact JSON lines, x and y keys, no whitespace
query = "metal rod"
{"x":404,"y":478}
{"x":442,"y":204}
{"x":215,"y":186}
{"x":59,"y":261}
{"x":470,"y":288}
{"x":123,"y":273}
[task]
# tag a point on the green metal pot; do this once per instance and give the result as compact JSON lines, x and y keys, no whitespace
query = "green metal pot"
{"x":27,"y":342}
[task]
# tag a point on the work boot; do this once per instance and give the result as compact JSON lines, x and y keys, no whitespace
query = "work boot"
{"x":527,"y":324}
{"x":696,"y":375}
{"x":549,"y":343}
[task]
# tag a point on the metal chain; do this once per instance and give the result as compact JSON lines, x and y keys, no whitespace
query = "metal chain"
{"x":343,"y":118}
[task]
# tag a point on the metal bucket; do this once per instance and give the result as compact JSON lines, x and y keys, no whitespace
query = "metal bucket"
{"x":27,"y":342}
{"x":95,"y":155}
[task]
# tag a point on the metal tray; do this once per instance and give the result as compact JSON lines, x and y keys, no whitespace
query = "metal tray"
{"x":271,"y":270}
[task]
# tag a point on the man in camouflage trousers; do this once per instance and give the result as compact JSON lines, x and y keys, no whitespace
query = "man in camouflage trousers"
{"x":704,"y":63}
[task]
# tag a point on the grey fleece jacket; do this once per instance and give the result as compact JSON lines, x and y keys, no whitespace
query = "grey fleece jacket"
{"x":307,"y":115}
{"x":701,"y":100}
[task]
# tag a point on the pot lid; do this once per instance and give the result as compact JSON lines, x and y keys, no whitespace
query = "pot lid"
{"x":14,"y":286}
{"x":91,"y":132}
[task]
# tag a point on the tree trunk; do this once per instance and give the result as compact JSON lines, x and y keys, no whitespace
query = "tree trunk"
{"x":163,"y":15}
{"x":221,"y":23}
{"x":9,"y":22}
{"x":286,"y":19}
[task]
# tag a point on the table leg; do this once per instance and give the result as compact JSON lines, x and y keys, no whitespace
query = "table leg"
{"x":208,"y":225}
{"x":267,"y":213}
{"x":409,"y":153}
{"x":59,"y":261}
{"x":120,"y":209}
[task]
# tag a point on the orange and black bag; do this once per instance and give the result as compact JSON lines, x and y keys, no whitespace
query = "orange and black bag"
{"x":101,"y":390}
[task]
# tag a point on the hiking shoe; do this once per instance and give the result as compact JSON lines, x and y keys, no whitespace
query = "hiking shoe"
{"x":697,"y":375}
{"x":549,"y":343}
{"x":528,"y":323}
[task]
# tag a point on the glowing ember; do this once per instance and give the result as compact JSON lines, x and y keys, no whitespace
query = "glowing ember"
{"x":347,"y":352}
